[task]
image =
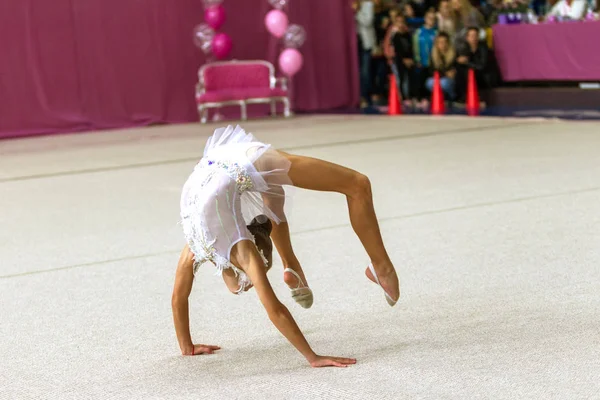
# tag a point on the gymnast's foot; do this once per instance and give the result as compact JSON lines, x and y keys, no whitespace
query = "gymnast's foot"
{"x":385,"y":276}
{"x":296,"y":281}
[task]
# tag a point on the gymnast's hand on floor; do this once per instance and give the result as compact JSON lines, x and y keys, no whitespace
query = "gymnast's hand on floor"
{"x":202,"y":349}
{"x":327,"y":361}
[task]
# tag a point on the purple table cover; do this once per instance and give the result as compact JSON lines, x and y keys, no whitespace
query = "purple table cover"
{"x":568,"y":51}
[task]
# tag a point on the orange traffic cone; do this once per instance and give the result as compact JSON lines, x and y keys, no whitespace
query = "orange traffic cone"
{"x":438,"y":106}
{"x":394,"y":98}
{"x":472,"y":95}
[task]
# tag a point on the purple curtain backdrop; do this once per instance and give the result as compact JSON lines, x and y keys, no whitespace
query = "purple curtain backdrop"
{"x":69,"y":65}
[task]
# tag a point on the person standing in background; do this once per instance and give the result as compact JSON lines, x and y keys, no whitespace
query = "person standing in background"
{"x":465,"y":17}
{"x":380,"y":68}
{"x":388,"y":45}
{"x":422,"y":45}
{"x":445,"y":21}
{"x":569,"y":9}
{"x":405,"y":62}
{"x":365,"y":18}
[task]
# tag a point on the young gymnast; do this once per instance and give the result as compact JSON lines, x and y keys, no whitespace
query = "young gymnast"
{"x":240,"y":179}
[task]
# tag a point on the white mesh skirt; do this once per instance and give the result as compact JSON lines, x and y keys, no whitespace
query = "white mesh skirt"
{"x":238,"y":179}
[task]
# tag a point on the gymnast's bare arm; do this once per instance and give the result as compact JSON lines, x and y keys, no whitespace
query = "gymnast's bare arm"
{"x":184,"y":279}
{"x":245,"y":255}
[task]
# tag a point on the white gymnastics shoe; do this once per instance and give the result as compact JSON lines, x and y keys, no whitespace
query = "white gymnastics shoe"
{"x":302,"y":294}
{"x":388,"y":298}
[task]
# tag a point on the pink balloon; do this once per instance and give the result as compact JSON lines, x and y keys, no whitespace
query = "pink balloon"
{"x":215,"y":16}
{"x":290,"y":61}
{"x":221,"y":45}
{"x":276,"y":22}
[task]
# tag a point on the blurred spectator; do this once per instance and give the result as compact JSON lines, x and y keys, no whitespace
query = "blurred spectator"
{"x":388,"y":47}
{"x":493,"y":9}
{"x":443,"y":58}
{"x":422,"y":45}
{"x":498,"y":7}
{"x":423,"y":40}
{"x":475,"y":57}
{"x":365,"y":17}
{"x":408,"y":11}
{"x":419,"y":8}
{"x":413,"y":22}
{"x":382,"y":23}
{"x":405,"y":62}
{"x":445,"y":19}
{"x":465,"y":16}
{"x":569,"y":9}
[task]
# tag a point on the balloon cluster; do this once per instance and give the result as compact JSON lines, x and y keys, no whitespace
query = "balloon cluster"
{"x":205,"y":35}
{"x":293,"y":36}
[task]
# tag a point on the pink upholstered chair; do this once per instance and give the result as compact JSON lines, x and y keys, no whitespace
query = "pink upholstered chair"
{"x":240,"y":83}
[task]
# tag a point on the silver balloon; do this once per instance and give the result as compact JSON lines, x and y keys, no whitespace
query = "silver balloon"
{"x":212,"y":3}
{"x":294,"y":37}
{"x":203,"y":36}
{"x":278,"y":4}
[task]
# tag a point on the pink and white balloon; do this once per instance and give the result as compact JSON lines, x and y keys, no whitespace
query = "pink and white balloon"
{"x":294,"y":37}
{"x":278,"y":4}
{"x":203,"y":37}
{"x":211,"y":3}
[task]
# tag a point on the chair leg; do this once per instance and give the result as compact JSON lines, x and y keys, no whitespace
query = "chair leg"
{"x":273,"y":108}
{"x":286,"y":108}
{"x":243,"y":110}
{"x":203,"y":114}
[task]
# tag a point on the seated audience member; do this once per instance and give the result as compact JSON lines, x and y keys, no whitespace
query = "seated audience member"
{"x":569,"y":9}
{"x":465,"y":16}
{"x":445,"y":19}
{"x":474,"y":56}
{"x":422,"y":45}
{"x":405,"y":62}
{"x":443,"y":58}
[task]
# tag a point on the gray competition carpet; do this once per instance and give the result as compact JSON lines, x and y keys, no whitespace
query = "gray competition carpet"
{"x":494,"y":225}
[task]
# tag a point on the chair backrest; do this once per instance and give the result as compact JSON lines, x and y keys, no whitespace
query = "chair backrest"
{"x":236,"y":74}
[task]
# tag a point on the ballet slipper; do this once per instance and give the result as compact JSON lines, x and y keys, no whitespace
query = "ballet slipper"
{"x":302,"y":294}
{"x":388,"y":298}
